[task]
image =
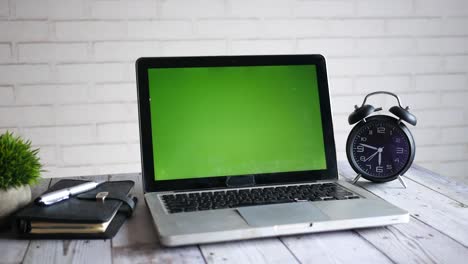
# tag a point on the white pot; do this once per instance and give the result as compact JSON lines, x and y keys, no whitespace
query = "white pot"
{"x":13,"y":199}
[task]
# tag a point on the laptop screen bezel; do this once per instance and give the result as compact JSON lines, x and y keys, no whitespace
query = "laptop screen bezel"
{"x":146,"y":144}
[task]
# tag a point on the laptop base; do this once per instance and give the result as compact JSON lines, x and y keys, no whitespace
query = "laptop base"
{"x":272,"y":220}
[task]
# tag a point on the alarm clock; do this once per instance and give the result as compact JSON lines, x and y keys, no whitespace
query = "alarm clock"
{"x":380,"y":148}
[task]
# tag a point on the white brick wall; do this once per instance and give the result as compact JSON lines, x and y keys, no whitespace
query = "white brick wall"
{"x":67,"y":79}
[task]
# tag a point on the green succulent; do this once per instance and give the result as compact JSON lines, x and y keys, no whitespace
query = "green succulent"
{"x":19,"y":163}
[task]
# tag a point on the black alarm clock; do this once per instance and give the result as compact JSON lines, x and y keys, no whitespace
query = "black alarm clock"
{"x":380,"y":148}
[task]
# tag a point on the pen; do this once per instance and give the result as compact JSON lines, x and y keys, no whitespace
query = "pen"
{"x":63,"y":194}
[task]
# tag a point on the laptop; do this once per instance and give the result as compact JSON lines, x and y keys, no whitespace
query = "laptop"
{"x":242,"y":147}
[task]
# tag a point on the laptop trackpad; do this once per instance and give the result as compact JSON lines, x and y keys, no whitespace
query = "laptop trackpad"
{"x":281,"y":214}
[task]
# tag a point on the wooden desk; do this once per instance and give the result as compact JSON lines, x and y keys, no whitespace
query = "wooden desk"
{"x":437,"y":233}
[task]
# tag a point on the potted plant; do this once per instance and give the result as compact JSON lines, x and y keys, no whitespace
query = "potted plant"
{"x":19,"y":168}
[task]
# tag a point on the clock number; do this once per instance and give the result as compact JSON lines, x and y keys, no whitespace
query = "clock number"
{"x":397,"y":160}
{"x":381,"y":130}
{"x":379,"y":169}
{"x":397,"y":140}
{"x":369,"y":166}
{"x":363,"y":139}
{"x":399,"y":150}
{"x":360,"y":149}
{"x":362,"y":158}
{"x":389,"y":167}
{"x":371,"y":132}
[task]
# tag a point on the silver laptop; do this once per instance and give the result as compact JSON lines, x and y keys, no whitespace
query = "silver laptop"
{"x":241,"y":147}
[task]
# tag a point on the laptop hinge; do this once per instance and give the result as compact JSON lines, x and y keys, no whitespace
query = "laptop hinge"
{"x":240,"y":181}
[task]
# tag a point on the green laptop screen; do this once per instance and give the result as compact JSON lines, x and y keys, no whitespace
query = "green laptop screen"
{"x":226,"y":121}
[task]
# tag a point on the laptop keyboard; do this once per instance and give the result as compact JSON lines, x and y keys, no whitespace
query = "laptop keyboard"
{"x":210,"y":200}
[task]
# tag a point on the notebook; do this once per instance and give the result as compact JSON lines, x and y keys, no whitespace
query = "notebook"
{"x":78,"y":217}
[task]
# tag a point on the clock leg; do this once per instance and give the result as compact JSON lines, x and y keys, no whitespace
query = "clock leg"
{"x":356,"y":178}
{"x":402,"y":181}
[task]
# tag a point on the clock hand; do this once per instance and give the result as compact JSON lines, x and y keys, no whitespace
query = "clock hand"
{"x":380,"y":150}
{"x":368,"y":146}
{"x":371,"y":156}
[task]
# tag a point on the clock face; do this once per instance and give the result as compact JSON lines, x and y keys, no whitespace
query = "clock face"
{"x":379,"y":148}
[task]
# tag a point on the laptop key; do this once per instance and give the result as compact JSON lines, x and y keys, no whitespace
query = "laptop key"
{"x":194,"y":195}
{"x":168,"y":196}
{"x":207,"y":194}
{"x":264,"y":202}
{"x":181,"y":196}
{"x":220,"y":206}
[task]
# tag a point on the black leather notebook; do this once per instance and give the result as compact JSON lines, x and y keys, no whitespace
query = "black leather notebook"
{"x":81,"y":216}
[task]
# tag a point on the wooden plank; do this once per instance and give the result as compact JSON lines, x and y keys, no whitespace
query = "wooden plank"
{"x":334,"y":247}
{"x":13,"y":250}
{"x":131,"y":234}
{"x":416,"y":242}
{"x":456,"y":190}
{"x":68,"y":251}
{"x":140,"y":228}
{"x":268,"y":250}
{"x":137,"y":241}
{"x":448,"y":216}
{"x":154,"y":253}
